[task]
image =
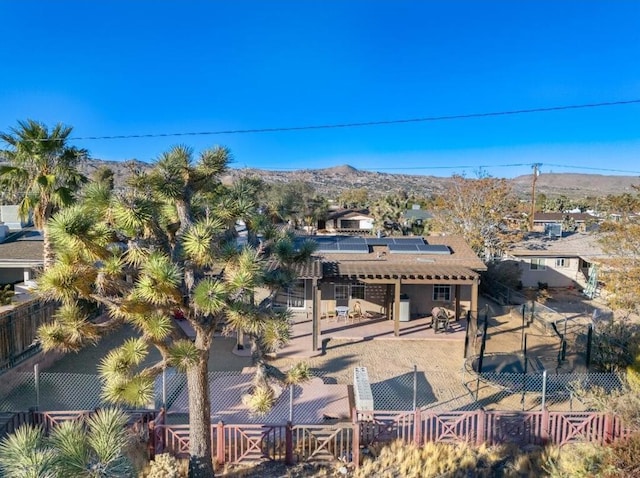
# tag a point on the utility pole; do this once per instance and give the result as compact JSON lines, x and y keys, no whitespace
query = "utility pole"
{"x":535,"y":167}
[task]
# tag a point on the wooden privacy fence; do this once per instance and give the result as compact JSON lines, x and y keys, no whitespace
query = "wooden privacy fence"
{"x":19,"y":330}
{"x":234,"y":444}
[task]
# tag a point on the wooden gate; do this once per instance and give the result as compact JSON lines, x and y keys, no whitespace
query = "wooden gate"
{"x":253,"y":443}
{"x":322,"y":443}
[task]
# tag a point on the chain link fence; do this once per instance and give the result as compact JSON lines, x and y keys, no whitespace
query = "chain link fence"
{"x":537,"y":390}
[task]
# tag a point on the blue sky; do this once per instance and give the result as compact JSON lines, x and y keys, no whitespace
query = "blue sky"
{"x":152,"y":67}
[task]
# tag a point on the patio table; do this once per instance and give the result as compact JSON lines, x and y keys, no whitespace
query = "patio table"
{"x":342,"y":312}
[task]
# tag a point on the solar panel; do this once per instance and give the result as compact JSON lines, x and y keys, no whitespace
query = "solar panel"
{"x":377,"y":241}
{"x":403,"y":248}
{"x":409,"y":240}
{"x":419,"y":249}
{"x":434,"y":249}
{"x":355,"y":248}
{"x":352,"y":240}
{"x":327,"y":247}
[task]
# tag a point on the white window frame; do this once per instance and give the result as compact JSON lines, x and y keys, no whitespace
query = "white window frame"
{"x":538,"y":264}
{"x":441,"y":293}
{"x":562,"y":262}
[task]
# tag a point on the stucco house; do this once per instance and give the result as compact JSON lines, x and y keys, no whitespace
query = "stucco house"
{"x":20,"y":255}
{"x":352,"y":220}
{"x":399,"y":278}
{"x":557,"y":262}
{"x":543,"y":220}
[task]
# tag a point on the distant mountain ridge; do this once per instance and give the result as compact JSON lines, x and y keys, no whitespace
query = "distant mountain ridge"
{"x":330,"y":182}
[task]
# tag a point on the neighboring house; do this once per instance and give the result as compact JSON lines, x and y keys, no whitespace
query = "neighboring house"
{"x":20,"y":255}
{"x":557,"y":262}
{"x":352,"y":220}
{"x":399,"y":278}
{"x":10,"y":216}
{"x":548,"y":221}
{"x":416,"y":216}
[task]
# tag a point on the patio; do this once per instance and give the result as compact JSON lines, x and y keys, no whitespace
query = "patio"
{"x":360,"y":330}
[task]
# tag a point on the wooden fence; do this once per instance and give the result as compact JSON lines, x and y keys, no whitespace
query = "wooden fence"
{"x":292,"y":443}
{"x":19,"y":330}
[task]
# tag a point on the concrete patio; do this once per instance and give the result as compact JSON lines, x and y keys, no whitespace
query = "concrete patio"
{"x":365,"y":329}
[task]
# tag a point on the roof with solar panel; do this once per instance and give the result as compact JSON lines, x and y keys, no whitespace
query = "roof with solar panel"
{"x":432,"y":251}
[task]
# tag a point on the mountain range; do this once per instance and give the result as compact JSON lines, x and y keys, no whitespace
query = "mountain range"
{"x":330,"y":182}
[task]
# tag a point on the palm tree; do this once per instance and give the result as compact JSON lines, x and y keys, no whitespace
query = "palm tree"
{"x":94,"y":448}
{"x":43,"y":168}
{"x":143,"y":253}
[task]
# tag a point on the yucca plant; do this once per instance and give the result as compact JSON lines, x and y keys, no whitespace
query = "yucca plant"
{"x":94,"y":448}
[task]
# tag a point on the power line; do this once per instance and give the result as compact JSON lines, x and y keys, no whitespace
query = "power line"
{"x":361,"y":124}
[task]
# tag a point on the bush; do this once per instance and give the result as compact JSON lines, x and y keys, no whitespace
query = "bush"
{"x":165,"y":466}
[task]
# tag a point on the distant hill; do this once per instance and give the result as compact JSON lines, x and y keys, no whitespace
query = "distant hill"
{"x":331,"y":181}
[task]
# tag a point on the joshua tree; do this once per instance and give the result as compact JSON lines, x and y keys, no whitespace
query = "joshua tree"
{"x":142,"y":254}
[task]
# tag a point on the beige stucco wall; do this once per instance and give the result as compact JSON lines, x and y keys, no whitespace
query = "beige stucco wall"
{"x":553,"y":276}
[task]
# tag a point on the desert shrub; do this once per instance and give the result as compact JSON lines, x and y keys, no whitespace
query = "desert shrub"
{"x":573,"y":461}
{"x":444,"y":460}
{"x":633,"y":375}
{"x":165,"y":466}
{"x":6,"y":295}
{"x":623,"y":458}
{"x":614,"y":345}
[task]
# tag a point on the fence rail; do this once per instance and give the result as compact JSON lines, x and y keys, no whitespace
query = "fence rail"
{"x":246,"y":443}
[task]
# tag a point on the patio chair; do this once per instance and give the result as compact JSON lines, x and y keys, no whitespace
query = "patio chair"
{"x":356,"y":313}
{"x":440,"y":320}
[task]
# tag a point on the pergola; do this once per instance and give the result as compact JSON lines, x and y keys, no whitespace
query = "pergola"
{"x":393,"y":276}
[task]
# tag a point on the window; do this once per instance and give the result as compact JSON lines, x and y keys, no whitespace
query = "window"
{"x":292,"y":297}
{"x":562,"y":262}
{"x":342,"y":292}
{"x":538,"y":265}
{"x":357,"y":291}
{"x":442,"y":293}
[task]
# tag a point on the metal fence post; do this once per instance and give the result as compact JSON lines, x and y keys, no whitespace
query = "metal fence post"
{"x":164,"y":388}
{"x":415,"y":387}
{"x":36,"y":377}
{"x":288,"y":439}
{"x":544,"y":389}
{"x":589,"y":340}
{"x":291,"y":403}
